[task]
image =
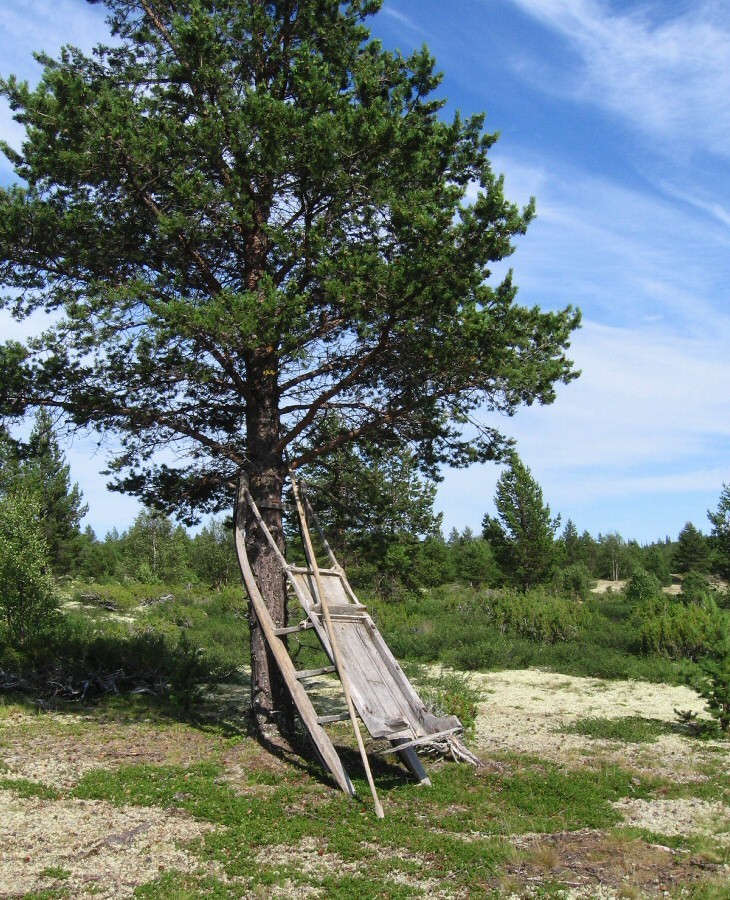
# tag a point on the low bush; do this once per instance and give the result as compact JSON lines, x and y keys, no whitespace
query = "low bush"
{"x":537,"y":616}
{"x":670,"y":628}
{"x":446,"y":692}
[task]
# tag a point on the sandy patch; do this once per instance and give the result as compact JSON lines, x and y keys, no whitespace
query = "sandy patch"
{"x":675,"y":817}
{"x":59,"y":750}
{"x":523,"y":712}
{"x":604,"y":585}
{"x":104,"y":851}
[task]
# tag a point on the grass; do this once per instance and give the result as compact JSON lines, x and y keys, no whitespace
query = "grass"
{"x":280,"y":824}
{"x":30,"y":789}
{"x":629,"y":729}
{"x":284,"y":826}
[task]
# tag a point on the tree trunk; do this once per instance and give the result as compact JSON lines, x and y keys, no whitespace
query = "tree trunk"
{"x":270,"y":702}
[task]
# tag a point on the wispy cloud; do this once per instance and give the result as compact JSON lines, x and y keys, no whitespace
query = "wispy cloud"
{"x":668,"y":74}
{"x":649,"y":418}
{"x":624,"y":255}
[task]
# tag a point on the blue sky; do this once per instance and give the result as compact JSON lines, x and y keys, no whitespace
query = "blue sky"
{"x":615,"y":115}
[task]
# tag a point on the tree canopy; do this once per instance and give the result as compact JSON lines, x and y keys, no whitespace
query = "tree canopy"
{"x":251,"y":215}
{"x":38,"y":467}
{"x":720,"y":520}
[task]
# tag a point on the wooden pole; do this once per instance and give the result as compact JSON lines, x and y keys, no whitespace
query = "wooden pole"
{"x":334,"y":645}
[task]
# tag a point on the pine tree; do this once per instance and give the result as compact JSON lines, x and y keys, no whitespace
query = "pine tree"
{"x":720,"y":520}
{"x":39,"y":467}
{"x":250,"y":215}
{"x":528,"y":552}
{"x":692,"y":552}
{"x":61,"y":503}
{"x":27,"y":596}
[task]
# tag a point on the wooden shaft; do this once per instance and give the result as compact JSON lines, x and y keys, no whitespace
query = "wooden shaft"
{"x":334,"y":645}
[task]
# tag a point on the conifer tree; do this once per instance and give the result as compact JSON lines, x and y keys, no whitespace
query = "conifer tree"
{"x":61,"y":502}
{"x":527,"y":551}
{"x":251,"y":214}
{"x":39,"y":467}
{"x":720,"y":520}
{"x":692,"y":552}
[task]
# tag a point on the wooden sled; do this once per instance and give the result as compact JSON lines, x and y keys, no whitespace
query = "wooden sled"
{"x":384,"y":699}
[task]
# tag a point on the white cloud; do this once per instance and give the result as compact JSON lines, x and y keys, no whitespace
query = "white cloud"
{"x":623,"y":255}
{"x":647,"y":422}
{"x":669,"y":75}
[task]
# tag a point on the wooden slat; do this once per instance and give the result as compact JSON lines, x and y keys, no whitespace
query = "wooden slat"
{"x":336,"y":656}
{"x":336,"y":717}
{"x":345,"y":609}
{"x":421,"y":740}
{"x":292,"y":629}
{"x":305,"y":570}
{"x":321,"y":739}
{"x":312,"y":673}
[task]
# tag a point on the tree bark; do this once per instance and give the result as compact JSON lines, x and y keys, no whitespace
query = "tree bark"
{"x":270,"y":702}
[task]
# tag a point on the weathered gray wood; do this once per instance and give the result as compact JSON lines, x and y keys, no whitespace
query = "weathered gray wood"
{"x":336,"y":655}
{"x":312,"y":673}
{"x":421,"y":740}
{"x":373,"y":683}
{"x":304,"y":706}
{"x":335,"y":717}
{"x":380,"y":689}
{"x":306,"y":625}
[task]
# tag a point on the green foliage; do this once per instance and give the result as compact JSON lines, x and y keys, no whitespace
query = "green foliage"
{"x":696,"y":589}
{"x":456,"y":625}
{"x":281,"y":225}
{"x":156,"y":550}
{"x":537,"y":615}
{"x":720,"y":520}
{"x":630,"y":729}
{"x":474,"y":563}
{"x":526,"y":551}
{"x":27,"y":597}
{"x":447,"y":693}
{"x":642,"y":587}
{"x":613,"y":557}
{"x":574,"y":581}
{"x":658,"y":559}
{"x":713,"y":677}
{"x":39,"y":467}
{"x":212,"y":555}
{"x":676,"y":630}
{"x":692,"y":552}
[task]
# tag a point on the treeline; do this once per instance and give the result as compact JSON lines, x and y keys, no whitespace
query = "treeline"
{"x":377,"y":511}
{"x":503,"y":598}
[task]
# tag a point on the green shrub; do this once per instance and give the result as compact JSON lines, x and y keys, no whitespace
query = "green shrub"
{"x":630,"y":729}
{"x":28,"y":601}
{"x":697,"y":590}
{"x":712,"y":677}
{"x":575,"y":581}
{"x":536,"y":615}
{"x":642,"y":586}
{"x":672,"y":629}
{"x":449,"y":693}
